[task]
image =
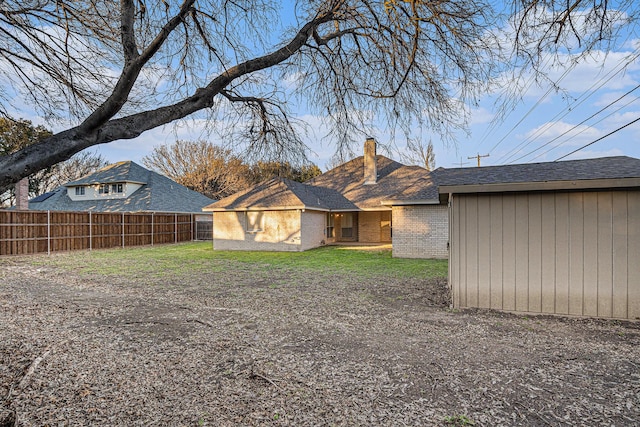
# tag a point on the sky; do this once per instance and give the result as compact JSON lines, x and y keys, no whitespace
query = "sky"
{"x":596,"y":109}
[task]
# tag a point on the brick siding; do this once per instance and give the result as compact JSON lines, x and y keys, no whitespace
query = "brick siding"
{"x":421,"y":231}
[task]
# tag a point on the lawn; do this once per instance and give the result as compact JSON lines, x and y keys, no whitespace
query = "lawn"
{"x":182,"y":335}
{"x":200,"y":256}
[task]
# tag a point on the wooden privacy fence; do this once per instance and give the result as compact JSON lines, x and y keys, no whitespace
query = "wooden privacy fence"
{"x":30,"y":232}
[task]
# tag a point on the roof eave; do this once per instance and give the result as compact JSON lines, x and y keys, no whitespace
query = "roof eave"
{"x":583,"y":184}
{"x":411,"y":202}
{"x":265,"y":208}
{"x":78,"y":183}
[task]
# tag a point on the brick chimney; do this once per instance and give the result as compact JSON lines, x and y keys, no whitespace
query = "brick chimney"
{"x":22,"y":194}
{"x":370,"y":168}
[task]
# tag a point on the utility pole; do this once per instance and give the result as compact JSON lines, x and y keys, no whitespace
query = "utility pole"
{"x":478,"y":157}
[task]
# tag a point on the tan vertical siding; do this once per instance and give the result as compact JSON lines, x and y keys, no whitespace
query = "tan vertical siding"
{"x":535,"y":253}
{"x":471,"y":218}
{"x":590,"y":267}
{"x":548,"y":249}
{"x":496,"y":252}
{"x":620,"y":244}
{"x":508,"y":259}
{"x":484,"y":251}
{"x":461,"y":204}
{"x":605,"y":255}
{"x":522,"y":254}
{"x":576,"y":252}
{"x":567,"y":253}
{"x":633,"y":256}
{"x":561,"y":254}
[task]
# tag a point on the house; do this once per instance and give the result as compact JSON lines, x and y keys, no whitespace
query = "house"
{"x":350,"y":203}
{"x":558,"y":238}
{"x":122,"y":187}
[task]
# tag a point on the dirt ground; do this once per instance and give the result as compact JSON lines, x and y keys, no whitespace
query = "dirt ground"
{"x":247,"y":347}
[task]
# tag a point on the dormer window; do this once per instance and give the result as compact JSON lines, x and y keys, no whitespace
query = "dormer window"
{"x":103,"y":189}
{"x":116,"y":188}
{"x":79,"y":191}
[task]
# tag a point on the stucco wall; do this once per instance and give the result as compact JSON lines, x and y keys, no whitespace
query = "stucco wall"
{"x":564,"y":253}
{"x":313,"y":229}
{"x":420,"y":231}
{"x":263,"y":230}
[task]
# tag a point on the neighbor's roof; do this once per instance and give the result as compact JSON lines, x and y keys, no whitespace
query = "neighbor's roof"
{"x":602,"y":172}
{"x":280,"y":193}
{"x":126,"y":171}
{"x":157,"y":193}
{"x":393,"y":179}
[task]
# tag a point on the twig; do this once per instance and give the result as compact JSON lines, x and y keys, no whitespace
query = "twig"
{"x":201,"y":322}
{"x":270,"y":381}
{"x":33,"y":367}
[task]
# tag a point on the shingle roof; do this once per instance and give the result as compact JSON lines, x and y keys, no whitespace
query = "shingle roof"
{"x":340,"y":189}
{"x":126,"y":171}
{"x":157,"y":194}
{"x":281,"y":193}
{"x":570,"y":170}
{"x":393,"y":178}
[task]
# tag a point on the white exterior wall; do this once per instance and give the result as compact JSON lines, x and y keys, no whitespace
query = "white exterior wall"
{"x":420,"y":231}
{"x":91,"y":192}
{"x":267,"y":230}
{"x":313,"y":229}
{"x":565,"y":253}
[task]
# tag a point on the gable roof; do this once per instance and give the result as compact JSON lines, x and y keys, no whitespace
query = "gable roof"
{"x":619,"y":171}
{"x":156,"y":194}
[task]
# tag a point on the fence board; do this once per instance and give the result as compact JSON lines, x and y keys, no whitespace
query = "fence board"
{"x":30,"y":232}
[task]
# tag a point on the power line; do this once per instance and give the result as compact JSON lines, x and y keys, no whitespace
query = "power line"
{"x":583,"y":130}
{"x":599,"y":139}
{"x":579,"y":124}
{"x":561,"y":114}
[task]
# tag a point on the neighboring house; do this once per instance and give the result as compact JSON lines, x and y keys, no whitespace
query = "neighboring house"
{"x":559,"y":238}
{"x":350,"y":203}
{"x":122,"y":187}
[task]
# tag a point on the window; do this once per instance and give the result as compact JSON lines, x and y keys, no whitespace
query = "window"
{"x":79,"y":191}
{"x":330,"y":232}
{"x":347,"y":225}
{"x":116,"y":188}
{"x":103,"y":189}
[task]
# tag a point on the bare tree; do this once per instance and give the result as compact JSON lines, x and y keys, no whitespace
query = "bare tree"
{"x":201,"y":166}
{"x":261,"y":171}
{"x":420,"y":154}
{"x":76,"y":167}
{"x":122,"y":70}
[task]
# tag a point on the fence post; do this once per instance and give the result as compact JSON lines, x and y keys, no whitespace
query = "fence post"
{"x":90,"y":232}
{"x":175,"y":224}
{"x":152,"y":233}
{"x":192,"y":239}
{"x":123,"y":230}
{"x":48,"y":232}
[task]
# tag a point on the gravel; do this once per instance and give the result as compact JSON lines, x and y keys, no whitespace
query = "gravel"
{"x":260,"y":347}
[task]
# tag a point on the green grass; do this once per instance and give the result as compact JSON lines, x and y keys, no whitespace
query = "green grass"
{"x":184,"y":258}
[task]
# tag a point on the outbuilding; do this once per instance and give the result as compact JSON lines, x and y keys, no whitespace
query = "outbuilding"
{"x":558,"y":238}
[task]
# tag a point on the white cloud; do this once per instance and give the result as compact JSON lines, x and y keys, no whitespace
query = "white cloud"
{"x":566,"y":133}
